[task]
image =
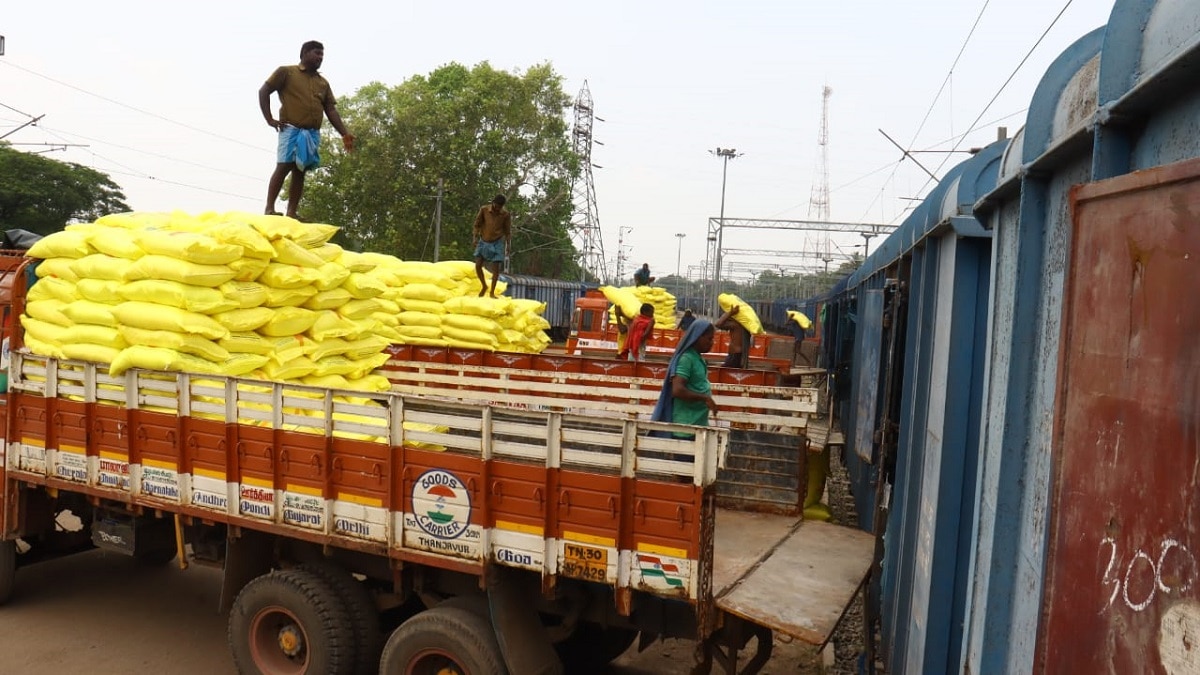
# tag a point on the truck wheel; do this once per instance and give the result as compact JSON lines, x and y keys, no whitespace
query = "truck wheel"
{"x":290,"y":622}
{"x":443,"y":641}
{"x":592,"y":647}
{"x":364,"y":615}
{"x":8,"y":569}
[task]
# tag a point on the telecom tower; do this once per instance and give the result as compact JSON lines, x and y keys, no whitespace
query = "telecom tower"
{"x":585,"y":221}
{"x":818,"y":202}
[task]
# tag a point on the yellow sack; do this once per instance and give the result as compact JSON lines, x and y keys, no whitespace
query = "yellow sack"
{"x":456,"y":269}
{"x":183,"y":271}
{"x":356,"y":262}
{"x":329,"y":347}
{"x":428,"y":292}
{"x":116,"y":242}
{"x":364,"y":327}
{"x":334,"y":365}
{"x":133,"y":220}
{"x":803,"y":321}
{"x":472,"y":337}
{"x":289,"y":321}
{"x":248,"y":269}
{"x":328,"y":252}
{"x":385,"y":260}
{"x":363,"y":287}
{"x":469,"y":322}
{"x":50,"y":311}
{"x":522,"y":305}
{"x":278,"y":275}
{"x":100,"y":266}
{"x":191,"y":247}
{"x":293,"y":369}
{"x":180,"y":342}
{"x":104,"y":291}
{"x":387,"y":318}
{"x":422,"y":306}
{"x":53,"y":288}
{"x":246,"y":294}
{"x":428,"y":332}
{"x":327,"y":381}
{"x":365,"y":347}
{"x":242,"y":320}
{"x":388,"y":306}
{"x":419,"y":319}
{"x":105,"y":336}
{"x":817,"y":512}
{"x":387,"y":276}
{"x":330,"y":324}
{"x":289,"y":297}
{"x":240,"y":364}
{"x":57,"y":267}
{"x":161,"y":317}
{"x":64,"y":244}
{"x":284,"y":349}
{"x":308,"y":235}
{"x":330,"y":275}
{"x":418,"y":272}
{"x":487,"y":307}
{"x":95,"y":313}
{"x":49,"y":333}
{"x":365,"y":366}
{"x":624,"y":298}
{"x":289,"y":252}
{"x":192,"y":298}
{"x":510,"y":336}
{"x":374,"y":383}
{"x":42,"y":348}
{"x":246,"y":342}
{"x":463,"y":344}
{"x":330,"y":299}
{"x":388,"y":333}
{"x":83,"y":351}
{"x":233,"y":230}
{"x":358,"y":309}
{"x":746,"y":315}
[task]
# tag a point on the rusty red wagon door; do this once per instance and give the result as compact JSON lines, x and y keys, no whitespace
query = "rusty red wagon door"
{"x":1123,"y":584}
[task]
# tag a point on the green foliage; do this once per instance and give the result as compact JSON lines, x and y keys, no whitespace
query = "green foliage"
{"x":483,"y":132}
{"x":43,"y":195}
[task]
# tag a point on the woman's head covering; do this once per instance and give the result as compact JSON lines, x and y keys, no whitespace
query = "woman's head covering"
{"x":664,"y":409}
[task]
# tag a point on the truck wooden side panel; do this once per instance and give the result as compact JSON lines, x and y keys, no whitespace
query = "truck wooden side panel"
{"x":445,"y":483}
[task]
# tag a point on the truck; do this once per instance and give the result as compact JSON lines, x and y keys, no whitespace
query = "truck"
{"x":508,"y":523}
{"x":592,"y":334}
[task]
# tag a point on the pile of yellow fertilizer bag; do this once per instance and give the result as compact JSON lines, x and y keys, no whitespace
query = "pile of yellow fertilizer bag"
{"x":238,"y":294}
{"x":631,"y":298}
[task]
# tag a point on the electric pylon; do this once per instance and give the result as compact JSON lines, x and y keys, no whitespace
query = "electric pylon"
{"x":818,"y":202}
{"x":585,"y":221}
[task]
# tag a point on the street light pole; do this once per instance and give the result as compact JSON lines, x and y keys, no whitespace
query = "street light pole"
{"x":725,"y":154}
{"x":678,"y":256}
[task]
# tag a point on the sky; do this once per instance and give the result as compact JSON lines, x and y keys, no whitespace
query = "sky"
{"x":163,"y":97}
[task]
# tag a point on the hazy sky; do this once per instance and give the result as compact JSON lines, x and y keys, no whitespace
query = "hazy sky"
{"x":165,"y":97}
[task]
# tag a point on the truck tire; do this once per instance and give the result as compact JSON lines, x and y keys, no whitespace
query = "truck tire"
{"x":290,"y":622}
{"x":443,"y":640}
{"x":592,"y":647}
{"x":8,"y":569}
{"x":364,"y":615}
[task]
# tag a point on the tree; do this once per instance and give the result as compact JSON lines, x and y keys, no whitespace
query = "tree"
{"x":483,"y":132}
{"x":43,"y":195}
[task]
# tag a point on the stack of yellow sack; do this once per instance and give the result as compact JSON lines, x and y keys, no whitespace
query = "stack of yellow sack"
{"x":631,"y":298}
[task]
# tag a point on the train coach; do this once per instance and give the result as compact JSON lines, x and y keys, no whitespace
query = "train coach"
{"x":1016,"y":373}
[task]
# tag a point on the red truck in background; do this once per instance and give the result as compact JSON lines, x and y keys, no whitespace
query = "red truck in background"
{"x":516,"y":525}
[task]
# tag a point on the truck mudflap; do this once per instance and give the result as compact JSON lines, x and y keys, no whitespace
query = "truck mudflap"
{"x":796,"y":577}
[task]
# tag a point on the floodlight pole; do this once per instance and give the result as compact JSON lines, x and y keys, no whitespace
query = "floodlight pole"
{"x":725,"y":154}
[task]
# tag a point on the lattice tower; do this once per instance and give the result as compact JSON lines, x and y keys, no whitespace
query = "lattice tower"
{"x":818,"y":201}
{"x":585,"y":221}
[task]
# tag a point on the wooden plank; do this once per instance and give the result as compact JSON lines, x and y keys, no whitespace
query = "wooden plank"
{"x":742,"y":539}
{"x":804,"y":585}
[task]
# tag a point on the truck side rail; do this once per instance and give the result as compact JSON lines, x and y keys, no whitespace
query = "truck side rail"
{"x":452,"y":484}
{"x":756,"y":407}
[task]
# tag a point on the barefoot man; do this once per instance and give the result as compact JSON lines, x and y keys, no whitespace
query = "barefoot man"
{"x":493,"y":231}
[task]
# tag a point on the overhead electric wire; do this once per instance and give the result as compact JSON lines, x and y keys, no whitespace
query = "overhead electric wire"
{"x":999,"y":91}
{"x":131,"y":107}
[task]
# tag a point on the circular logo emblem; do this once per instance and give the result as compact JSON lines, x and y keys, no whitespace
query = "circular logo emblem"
{"x":441,"y":504}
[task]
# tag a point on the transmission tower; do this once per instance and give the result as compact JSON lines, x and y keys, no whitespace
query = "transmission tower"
{"x":818,"y":202}
{"x":585,"y":221}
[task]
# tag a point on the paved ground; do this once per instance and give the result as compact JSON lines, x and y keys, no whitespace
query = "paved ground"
{"x":103,"y":614}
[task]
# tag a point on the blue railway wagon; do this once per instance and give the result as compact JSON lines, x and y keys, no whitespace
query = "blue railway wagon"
{"x":992,"y":357}
{"x":559,"y":296}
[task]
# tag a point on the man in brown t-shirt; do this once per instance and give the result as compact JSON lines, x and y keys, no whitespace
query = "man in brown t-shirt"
{"x":305,"y":99}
